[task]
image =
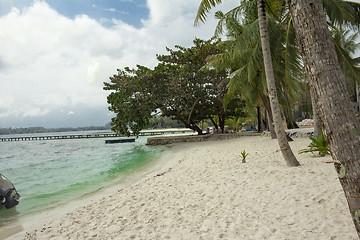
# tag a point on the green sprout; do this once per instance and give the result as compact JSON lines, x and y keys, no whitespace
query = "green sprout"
{"x":318,"y":144}
{"x":244,"y":154}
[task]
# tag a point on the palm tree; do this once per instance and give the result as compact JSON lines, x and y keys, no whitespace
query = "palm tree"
{"x":340,"y":14}
{"x":341,"y":127}
{"x":346,"y":45}
{"x":286,"y":151}
{"x":244,"y":56}
{"x":288,"y":155}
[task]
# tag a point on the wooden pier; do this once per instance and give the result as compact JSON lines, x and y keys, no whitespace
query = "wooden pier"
{"x":81,"y":136}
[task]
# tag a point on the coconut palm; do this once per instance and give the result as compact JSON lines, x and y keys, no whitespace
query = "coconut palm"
{"x":288,"y":155}
{"x":243,"y":56}
{"x":341,"y":128}
{"x":346,"y":45}
{"x":339,"y":13}
{"x":286,"y":151}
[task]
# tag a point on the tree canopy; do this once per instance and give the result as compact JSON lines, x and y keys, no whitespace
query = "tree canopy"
{"x":178,"y":87}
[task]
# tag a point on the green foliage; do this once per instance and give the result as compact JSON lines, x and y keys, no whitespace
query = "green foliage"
{"x":346,"y":46}
{"x":163,"y":122}
{"x":244,"y":154}
{"x":132,"y":99}
{"x":318,"y":144}
{"x":8,"y":131}
{"x":235,"y":123}
{"x":243,"y":55}
{"x":176,"y":88}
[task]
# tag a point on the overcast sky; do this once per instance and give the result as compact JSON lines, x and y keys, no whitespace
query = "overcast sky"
{"x":56,"y":54}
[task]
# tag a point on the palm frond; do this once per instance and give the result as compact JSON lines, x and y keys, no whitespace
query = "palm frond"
{"x":234,"y":85}
{"x":349,"y":65}
{"x":341,"y":12}
{"x":230,"y":20}
{"x":205,"y":7}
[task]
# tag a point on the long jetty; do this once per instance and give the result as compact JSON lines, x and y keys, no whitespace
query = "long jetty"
{"x":80,"y":136}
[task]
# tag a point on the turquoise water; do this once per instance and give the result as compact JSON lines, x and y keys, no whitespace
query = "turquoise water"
{"x":49,"y":172}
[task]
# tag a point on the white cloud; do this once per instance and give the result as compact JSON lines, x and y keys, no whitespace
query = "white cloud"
{"x":51,"y":62}
{"x":94,"y":72}
{"x":31,"y":112}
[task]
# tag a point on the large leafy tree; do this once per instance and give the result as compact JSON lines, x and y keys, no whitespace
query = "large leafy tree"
{"x":192,"y":75}
{"x":134,"y":97}
{"x":341,"y":127}
{"x":176,"y":87}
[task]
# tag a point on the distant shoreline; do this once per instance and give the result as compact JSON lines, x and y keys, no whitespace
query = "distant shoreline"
{"x":10,"y":131}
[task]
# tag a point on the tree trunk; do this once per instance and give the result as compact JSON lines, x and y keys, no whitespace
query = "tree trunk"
{"x":259,"y":119}
{"x":196,"y":128}
{"x":269,"y":118}
{"x":316,"y":118}
{"x":289,"y":116}
{"x":214,"y":123}
{"x":222,"y":122}
{"x":192,"y":126}
{"x":270,"y":126}
{"x":357,"y":96}
{"x":286,"y":151}
{"x":341,"y":128}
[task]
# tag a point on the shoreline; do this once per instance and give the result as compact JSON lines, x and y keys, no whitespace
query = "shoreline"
{"x":29,"y":221}
{"x":205,"y":192}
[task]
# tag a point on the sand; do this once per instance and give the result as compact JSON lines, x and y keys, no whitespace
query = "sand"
{"x":205,"y":192}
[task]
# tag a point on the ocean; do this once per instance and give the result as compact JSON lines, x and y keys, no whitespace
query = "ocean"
{"x":48,"y":173}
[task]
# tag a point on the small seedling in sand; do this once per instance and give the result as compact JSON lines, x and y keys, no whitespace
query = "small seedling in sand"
{"x":244,"y":154}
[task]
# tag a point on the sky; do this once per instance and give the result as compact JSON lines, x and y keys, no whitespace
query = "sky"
{"x":56,"y":54}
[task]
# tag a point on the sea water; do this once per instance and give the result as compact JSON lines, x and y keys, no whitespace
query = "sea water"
{"x":47,"y":173}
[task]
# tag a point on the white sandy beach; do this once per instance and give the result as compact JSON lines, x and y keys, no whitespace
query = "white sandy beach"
{"x":205,"y":192}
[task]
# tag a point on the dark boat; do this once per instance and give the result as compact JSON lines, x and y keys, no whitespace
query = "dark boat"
{"x":120,"y":140}
{"x":8,"y":195}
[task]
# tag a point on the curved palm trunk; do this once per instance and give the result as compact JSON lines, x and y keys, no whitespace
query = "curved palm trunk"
{"x":341,"y":128}
{"x":286,"y":151}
